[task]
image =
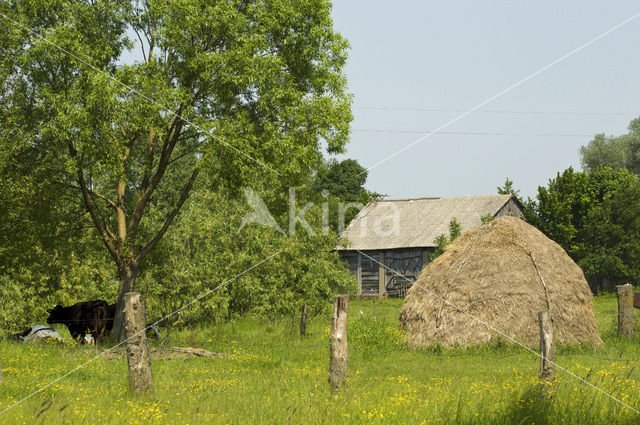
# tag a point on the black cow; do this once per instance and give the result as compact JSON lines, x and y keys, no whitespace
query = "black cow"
{"x":83,"y":318}
{"x":111,"y":315}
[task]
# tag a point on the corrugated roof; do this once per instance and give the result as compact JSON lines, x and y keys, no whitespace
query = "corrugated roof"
{"x":412,"y":223}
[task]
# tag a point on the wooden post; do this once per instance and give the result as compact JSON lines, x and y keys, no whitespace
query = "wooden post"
{"x":382,"y":285}
{"x":626,"y":325}
{"x":359,"y":272}
{"x":303,"y":321}
{"x":339,"y":350}
{"x":373,"y":309}
{"x":138,"y":358}
{"x":547,"y":351}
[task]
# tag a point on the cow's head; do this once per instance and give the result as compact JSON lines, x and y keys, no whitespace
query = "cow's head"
{"x":56,"y":315}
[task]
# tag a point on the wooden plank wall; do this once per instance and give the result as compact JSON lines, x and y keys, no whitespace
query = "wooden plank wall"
{"x":406,"y":265}
{"x":351,"y":258}
{"x":369,"y":272}
{"x":511,"y":208}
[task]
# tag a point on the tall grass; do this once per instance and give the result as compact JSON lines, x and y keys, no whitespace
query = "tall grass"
{"x":272,"y":375}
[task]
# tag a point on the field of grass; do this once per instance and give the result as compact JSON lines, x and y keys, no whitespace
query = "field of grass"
{"x":271,"y":375}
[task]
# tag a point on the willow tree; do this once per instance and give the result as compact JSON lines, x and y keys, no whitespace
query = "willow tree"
{"x":127,"y":102}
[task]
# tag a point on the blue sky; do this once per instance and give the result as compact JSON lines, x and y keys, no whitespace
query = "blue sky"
{"x":431,"y":56}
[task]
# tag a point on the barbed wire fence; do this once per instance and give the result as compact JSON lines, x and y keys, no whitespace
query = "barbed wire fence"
{"x":361,"y":353}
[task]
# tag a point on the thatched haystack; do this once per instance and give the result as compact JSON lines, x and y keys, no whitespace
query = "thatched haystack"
{"x":495,"y":273}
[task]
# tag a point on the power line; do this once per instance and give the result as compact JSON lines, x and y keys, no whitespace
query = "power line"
{"x":490,"y":111}
{"x":469,"y":133}
{"x":501,"y":93}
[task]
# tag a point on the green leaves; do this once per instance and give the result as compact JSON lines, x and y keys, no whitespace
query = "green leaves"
{"x":443,"y":241}
{"x":592,"y":216}
{"x":615,"y":152}
{"x":206,"y":249}
{"x":611,"y":250}
{"x":232,"y":89}
{"x":508,"y":189}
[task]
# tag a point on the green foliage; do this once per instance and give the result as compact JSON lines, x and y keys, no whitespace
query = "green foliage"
{"x":206,"y":249}
{"x":610,"y":251}
{"x":455,"y":229}
{"x":486,"y":218}
{"x":443,"y":241}
{"x":508,"y":189}
{"x":344,"y":180}
{"x":48,"y":251}
{"x":579,"y":210}
{"x":615,"y":152}
{"x":222,"y":88}
{"x":341,"y":186}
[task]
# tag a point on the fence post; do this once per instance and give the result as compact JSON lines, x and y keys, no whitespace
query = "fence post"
{"x":373,"y":310}
{"x":339,"y":350}
{"x":303,"y":321}
{"x":547,"y":351}
{"x":0,"y":370}
{"x":626,"y":325}
{"x":138,"y":358}
{"x":382,"y":280}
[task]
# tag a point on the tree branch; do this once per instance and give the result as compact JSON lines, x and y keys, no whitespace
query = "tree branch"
{"x":92,"y":193}
{"x":86,"y":196}
{"x":183,"y":197}
{"x":187,"y":152}
{"x":144,"y":55}
{"x":149,"y":160}
{"x":104,"y":198}
{"x":170,"y":141}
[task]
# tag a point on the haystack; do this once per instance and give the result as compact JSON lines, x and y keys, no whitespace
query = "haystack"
{"x":497,"y":273}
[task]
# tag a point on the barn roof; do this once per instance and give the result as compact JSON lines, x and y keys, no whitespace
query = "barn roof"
{"x":413,"y":223}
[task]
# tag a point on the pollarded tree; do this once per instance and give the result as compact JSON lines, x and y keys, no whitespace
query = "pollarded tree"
{"x":243,"y":90}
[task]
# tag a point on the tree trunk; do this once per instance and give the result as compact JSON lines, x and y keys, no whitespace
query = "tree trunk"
{"x":138,"y":356}
{"x":127,"y":274}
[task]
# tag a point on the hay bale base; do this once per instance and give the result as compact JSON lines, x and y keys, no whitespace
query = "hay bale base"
{"x":502,"y":273}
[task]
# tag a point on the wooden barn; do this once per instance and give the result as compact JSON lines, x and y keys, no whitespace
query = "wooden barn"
{"x":401,"y":234}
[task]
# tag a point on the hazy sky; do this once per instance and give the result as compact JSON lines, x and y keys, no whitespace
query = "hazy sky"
{"x":409,"y":59}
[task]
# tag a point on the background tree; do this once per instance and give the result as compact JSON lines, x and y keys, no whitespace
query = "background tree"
{"x":239,"y":90}
{"x":343,"y":183}
{"x":345,"y":180}
{"x":508,"y":189}
{"x":615,"y":152}
{"x":573,"y":207}
{"x":610,"y":252}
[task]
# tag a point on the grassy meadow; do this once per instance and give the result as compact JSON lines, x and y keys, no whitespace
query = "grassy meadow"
{"x":268,"y":374}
